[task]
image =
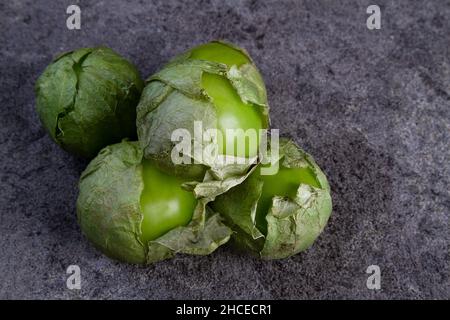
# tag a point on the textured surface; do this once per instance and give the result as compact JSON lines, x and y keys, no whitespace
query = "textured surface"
{"x":372,"y":107}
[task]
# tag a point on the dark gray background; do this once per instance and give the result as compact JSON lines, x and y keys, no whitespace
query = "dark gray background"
{"x":373,"y":107}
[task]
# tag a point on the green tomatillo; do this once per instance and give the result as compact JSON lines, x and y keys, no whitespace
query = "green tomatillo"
{"x":164,"y":204}
{"x":133,"y":212}
{"x":86,"y":99}
{"x":232,"y":111}
{"x":215,"y":84}
{"x":278,"y":215}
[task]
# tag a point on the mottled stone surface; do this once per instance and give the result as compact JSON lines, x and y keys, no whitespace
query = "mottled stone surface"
{"x":373,"y":107}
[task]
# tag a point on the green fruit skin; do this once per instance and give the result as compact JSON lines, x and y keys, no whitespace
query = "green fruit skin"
{"x":277,"y":216}
{"x":219,"y":52}
{"x":215,"y":83}
{"x":232,"y":112}
{"x":121,"y":196}
{"x":86,"y":99}
{"x":163,"y":203}
{"x":284,"y":184}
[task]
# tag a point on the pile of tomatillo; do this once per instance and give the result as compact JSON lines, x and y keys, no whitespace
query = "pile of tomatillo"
{"x":148,"y":192}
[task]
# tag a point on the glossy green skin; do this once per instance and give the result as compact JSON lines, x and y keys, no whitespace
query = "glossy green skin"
{"x":217,"y":52}
{"x":164,"y":204}
{"x":232,"y":112}
{"x":285,"y":183}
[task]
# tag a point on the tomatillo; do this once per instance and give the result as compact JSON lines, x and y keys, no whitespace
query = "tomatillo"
{"x":86,"y":99}
{"x":278,"y":215}
{"x":215,"y":84}
{"x":164,"y":204}
{"x":232,"y":111}
{"x":133,"y":212}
